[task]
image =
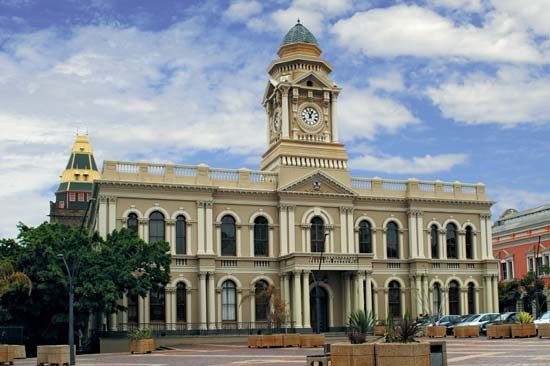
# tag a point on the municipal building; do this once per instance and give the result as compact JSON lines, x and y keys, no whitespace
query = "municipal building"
{"x":383,"y":245}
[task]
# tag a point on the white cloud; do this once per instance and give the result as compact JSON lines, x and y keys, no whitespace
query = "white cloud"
{"x":533,"y":14}
{"x":412,"y":30}
{"x":417,"y":165}
{"x":242,"y":10}
{"x":363,"y":114}
{"x":466,"y":5}
{"x":391,"y":82}
{"x":512,"y":96}
{"x":516,"y":198}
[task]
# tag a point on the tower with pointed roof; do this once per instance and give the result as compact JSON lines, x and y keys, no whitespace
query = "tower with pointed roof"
{"x":300,"y":102}
{"x":74,"y":190}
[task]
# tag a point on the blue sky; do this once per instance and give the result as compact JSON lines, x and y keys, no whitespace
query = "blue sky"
{"x":456,"y":90}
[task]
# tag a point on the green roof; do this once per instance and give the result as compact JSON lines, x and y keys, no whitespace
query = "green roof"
{"x":299,"y":34}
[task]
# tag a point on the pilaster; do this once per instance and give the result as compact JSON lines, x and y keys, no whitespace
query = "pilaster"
{"x":297,"y":297}
{"x":305,"y":303}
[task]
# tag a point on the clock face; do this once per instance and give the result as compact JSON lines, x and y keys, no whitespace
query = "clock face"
{"x":310,"y":116}
{"x":277,"y":121}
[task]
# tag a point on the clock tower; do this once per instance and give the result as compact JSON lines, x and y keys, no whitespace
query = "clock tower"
{"x":300,"y":102}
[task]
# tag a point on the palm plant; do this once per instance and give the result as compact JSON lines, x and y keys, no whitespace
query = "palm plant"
{"x":360,"y":323}
{"x":402,"y":330}
{"x":524,"y":317}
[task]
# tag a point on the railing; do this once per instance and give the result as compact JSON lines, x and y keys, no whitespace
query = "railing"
{"x":394,"y":265}
{"x":162,"y":329}
{"x":185,"y":171}
{"x":261,"y":264}
{"x":263,"y":177}
{"x":229,"y":263}
{"x":224,"y":174}
{"x":334,"y":259}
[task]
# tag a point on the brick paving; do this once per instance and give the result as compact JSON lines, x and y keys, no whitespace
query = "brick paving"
{"x":460,"y":352}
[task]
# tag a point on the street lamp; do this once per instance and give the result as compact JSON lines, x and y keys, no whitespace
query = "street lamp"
{"x":317,"y":300}
{"x":71,"y":311}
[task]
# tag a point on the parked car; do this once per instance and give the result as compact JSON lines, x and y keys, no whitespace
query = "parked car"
{"x":480,"y":320}
{"x":448,"y":321}
{"x":543,"y":319}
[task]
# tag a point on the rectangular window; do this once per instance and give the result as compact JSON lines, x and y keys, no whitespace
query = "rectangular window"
{"x":539,"y":265}
{"x":61,"y":204}
{"x":531,"y":265}
{"x":510,"y":269}
{"x":81,"y":196}
{"x":504,"y":271}
{"x":72,"y":197}
{"x":546,"y":259}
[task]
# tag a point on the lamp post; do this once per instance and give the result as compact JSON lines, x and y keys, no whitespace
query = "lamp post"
{"x":317,"y":299}
{"x":71,"y":311}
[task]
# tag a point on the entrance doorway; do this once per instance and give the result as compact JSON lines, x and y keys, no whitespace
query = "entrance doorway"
{"x":323,"y":311}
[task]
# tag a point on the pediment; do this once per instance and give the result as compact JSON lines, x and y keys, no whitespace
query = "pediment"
{"x":271,"y":84}
{"x":317,"y":182}
{"x":315,"y":78}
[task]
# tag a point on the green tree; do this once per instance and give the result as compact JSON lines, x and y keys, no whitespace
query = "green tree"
{"x":103,"y":269}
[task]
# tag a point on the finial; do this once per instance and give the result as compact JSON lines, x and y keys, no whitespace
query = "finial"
{"x":298,"y":21}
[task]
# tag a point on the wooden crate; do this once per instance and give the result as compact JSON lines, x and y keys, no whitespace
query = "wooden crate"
{"x":544,"y":330}
{"x":142,"y":345}
{"x":312,"y":340}
{"x":270,"y":341}
{"x":436,"y":331}
{"x":53,"y":355}
{"x":6,"y":354}
{"x":499,"y":331}
{"x":19,"y":351}
{"x":291,"y":340}
{"x":523,"y":330}
{"x":345,"y":354}
{"x":467,"y":331}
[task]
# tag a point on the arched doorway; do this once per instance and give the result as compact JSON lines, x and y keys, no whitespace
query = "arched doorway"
{"x":323,"y":311}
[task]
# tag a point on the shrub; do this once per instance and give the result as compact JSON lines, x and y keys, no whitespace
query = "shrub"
{"x":138,"y":334}
{"x":524,"y":317}
{"x":402,"y":330}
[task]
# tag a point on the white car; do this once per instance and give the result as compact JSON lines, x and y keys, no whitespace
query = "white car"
{"x":543,"y":319}
{"x":481,"y":320}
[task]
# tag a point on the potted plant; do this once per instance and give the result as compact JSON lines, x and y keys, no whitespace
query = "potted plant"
{"x":401,"y":347}
{"x":499,"y":329}
{"x":357,"y":352}
{"x":524,"y":326}
{"x":434,"y":330}
{"x":141,"y":341}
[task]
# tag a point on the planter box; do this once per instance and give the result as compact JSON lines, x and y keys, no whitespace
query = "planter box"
{"x":58,"y":355}
{"x":379,"y":330}
{"x":499,"y":331}
{"x":291,"y":340}
{"x":19,"y":351}
{"x":253,"y":341}
{"x":410,"y":354}
{"x":436,"y":331}
{"x":6,"y":354}
{"x":523,"y":330}
{"x":268,"y":341}
{"x":312,"y":340}
{"x":467,"y":331}
{"x":345,"y":354}
{"x":544,"y":330}
{"x":142,"y":345}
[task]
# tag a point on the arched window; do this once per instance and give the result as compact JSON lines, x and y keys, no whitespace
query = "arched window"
{"x":434,"y":239}
{"x":394,"y":299}
{"x":156,"y":227}
{"x":157,"y":305}
{"x":317,"y":235}
{"x":452,"y":251}
{"x":261,"y":237}
{"x":454,"y":298}
{"x":133,"y":312}
{"x":437,"y":300}
{"x":229,"y":301}
{"x":365,"y":237}
{"x":132,"y":222}
{"x":469,"y":243}
{"x":181,"y":302}
{"x":181,"y":237}
{"x":229,"y":236}
{"x":471,"y":298}
{"x":262,"y":298}
{"x":392,"y":240}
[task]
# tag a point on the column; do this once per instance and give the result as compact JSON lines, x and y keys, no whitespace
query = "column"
{"x":343,"y":228}
{"x":171,"y":234}
{"x":212,"y":301}
{"x":174,"y":304}
{"x":239,"y":308}
{"x":188,"y":308}
{"x":351,"y":233}
{"x":489,"y":237}
{"x":286,"y":281}
{"x":477,"y":308}
{"x":113,"y":322}
{"x":305,"y":291}
{"x":426,"y":303}
{"x":291,"y":230}
{"x":412,"y":234}
{"x":368,"y":293}
{"x":347,"y":295}
{"x":361,"y":291}
{"x":125,"y":312}
{"x":283,"y":229}
{"x":443,"y":243}
{"x":112,"y":214}
{"x":169,"y":308}
{"x":286,"y":124}
{"x":463,"y":301}
{"x":297,"y":303}
{"x":251,"y":295}
{"x":102,"y":217}
{"x":461,"y":244}
{"x":142,"y":222}
{"x":209,"y":227}
{"x":147,"y":309}
{"x":488,"y":294}
{"x":420,"y":233}
{"x":418,"y":293}
{"x":484,"y":244}
{"x":334,"y":119}
{"x":495,"y":294}
{"x":200,"y":228}
{"x":202,"y":299}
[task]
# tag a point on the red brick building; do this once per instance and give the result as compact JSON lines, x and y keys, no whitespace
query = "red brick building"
{"x":516,"y":236}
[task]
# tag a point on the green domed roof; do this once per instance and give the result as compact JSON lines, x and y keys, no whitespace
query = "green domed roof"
{"x":299,"y":34}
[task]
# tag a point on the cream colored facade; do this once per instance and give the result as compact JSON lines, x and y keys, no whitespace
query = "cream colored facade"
{"x":304,"y":175}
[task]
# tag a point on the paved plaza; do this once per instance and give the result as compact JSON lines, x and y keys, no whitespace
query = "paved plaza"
{"x":460,"y":352}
